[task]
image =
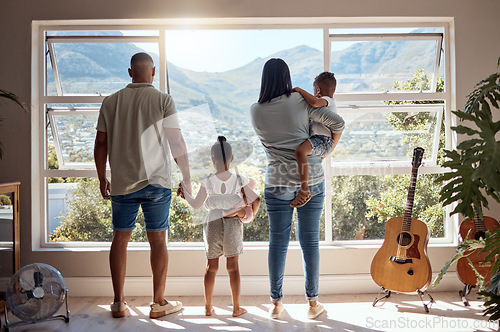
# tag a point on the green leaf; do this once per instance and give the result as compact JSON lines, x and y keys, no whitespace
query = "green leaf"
{"x":478,"y":96}
{"x":465,"y":130}
{"x":13,"y":97}
{"x":469,"y":143}
{"x":461,"y":188}
{"x":463,"y":250}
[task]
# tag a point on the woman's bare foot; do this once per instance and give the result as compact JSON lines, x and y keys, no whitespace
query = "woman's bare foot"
{"x":239,"y":311}
{"x":209,"y":310}
{"x":303,"y":196}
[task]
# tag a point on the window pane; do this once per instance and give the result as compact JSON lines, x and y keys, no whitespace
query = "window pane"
{"x":74,"y":142}
{"x":387,"y":134}
{"x":77,"y":212}
{"x":361,"y":205}
{"x":6,"y":235}
{"x":94,"y":68}
{"x":375,"y":65}
{"x":214,"y":78}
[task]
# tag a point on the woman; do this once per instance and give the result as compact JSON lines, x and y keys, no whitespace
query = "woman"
{"x":281,"y":121}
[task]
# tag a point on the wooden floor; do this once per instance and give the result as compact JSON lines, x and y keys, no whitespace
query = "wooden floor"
{"x":344,"y":313}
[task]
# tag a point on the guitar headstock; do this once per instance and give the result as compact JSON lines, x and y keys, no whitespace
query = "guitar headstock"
{"x":418,"y":154}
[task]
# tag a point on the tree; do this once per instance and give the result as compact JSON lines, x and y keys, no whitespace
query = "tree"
{"x":184,"y":226}
{"x":5,"y":200}
{"x":349,"y":197}
{"x":391,"y":202}
{"x":363,"y":204}
{"x":89,"y":216}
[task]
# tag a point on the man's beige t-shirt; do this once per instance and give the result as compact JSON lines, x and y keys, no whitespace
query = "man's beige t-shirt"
{"x":133,"y":119}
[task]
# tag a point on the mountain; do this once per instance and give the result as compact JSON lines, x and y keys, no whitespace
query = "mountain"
{"x":226,"y":97}
{"x":365,"y":66}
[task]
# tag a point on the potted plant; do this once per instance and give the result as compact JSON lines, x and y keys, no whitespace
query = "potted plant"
{"x":13,"y":97}
{"x":475,"y":174}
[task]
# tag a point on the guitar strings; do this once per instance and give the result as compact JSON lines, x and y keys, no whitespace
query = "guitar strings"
{"x":408,"y":209}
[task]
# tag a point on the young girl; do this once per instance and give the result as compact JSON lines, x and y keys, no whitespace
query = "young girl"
{"x":231,"y":200}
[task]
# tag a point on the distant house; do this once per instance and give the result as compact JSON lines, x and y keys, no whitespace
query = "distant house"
{"x":58,"y":204}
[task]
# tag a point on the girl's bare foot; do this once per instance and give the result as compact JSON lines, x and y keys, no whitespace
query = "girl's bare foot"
{"x":239,"y":311}
{"x":209,"y":310}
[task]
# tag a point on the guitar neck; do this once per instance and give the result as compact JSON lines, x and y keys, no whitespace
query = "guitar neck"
{"x":409,"y":201}
{"x":478,"y":221}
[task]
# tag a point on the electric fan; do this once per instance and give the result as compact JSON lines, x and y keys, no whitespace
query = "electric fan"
{"x":35,"y":293}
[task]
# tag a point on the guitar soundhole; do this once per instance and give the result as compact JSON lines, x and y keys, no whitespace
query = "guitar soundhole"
{"x":479,"y":235}
{"x":404,"y":239}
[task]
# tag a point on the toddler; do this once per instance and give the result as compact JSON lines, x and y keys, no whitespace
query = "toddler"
{"x":322,"y":140}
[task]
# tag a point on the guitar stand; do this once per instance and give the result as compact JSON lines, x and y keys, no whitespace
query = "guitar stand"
{"x":377,"y":298}
{"x":420,"y":294}
{"x":426,"y":305}
{"x":464,"y":292}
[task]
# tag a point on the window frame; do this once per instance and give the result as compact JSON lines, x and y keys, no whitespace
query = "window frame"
{"x":40,"y":172}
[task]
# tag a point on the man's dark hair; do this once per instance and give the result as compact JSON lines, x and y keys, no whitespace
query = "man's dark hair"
{"x":276,"y":80}
{"x":139,"y":57}
{"x":326,"y":82}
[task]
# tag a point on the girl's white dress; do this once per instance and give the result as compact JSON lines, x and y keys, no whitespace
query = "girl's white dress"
{"x":223,"y":236}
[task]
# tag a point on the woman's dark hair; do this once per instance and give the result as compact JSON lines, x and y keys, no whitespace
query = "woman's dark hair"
{"x":276,"y":80}
{"x":222,"y":151}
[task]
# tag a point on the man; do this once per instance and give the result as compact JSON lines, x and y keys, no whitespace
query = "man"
{"x":133,"y":129}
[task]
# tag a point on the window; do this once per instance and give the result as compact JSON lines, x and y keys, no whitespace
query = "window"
{"x":391,"y":88}
{"x":391,"y":92}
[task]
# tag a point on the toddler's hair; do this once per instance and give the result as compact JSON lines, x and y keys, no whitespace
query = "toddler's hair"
{"x":327,"y":82}
{"x":222,"y":150}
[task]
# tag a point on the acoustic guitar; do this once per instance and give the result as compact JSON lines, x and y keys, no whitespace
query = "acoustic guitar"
{"x":401,"y":264}
{"x":475,"y":230}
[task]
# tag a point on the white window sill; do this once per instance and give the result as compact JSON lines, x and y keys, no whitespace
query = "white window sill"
{"x":260,"y":246}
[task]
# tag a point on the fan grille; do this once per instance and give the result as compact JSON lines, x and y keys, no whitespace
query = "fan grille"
{"x":36,"y":292}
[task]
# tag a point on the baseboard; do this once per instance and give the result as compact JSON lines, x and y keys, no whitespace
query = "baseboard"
{"x":250,"y":285}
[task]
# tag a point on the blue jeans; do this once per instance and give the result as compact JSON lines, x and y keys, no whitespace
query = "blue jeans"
{"x":280,"y":213}
{"x":155,"y":203}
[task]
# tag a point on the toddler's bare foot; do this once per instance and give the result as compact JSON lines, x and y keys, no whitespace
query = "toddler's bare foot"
{"x":209,"y":310}
{"x":239,"y":311}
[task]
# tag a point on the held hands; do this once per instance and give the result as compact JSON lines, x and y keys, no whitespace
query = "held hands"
{"x":105,"y":188}
{"x":180,"y":191}
{"x":184,"y":187}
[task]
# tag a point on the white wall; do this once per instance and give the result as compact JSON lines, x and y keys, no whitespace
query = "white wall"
{"x":477,"y":50}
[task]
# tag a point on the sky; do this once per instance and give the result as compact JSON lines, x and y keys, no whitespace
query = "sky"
{"x":222,"y":50}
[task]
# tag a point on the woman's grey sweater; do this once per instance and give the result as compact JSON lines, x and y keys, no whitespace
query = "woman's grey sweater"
{"x":282,"y":125}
